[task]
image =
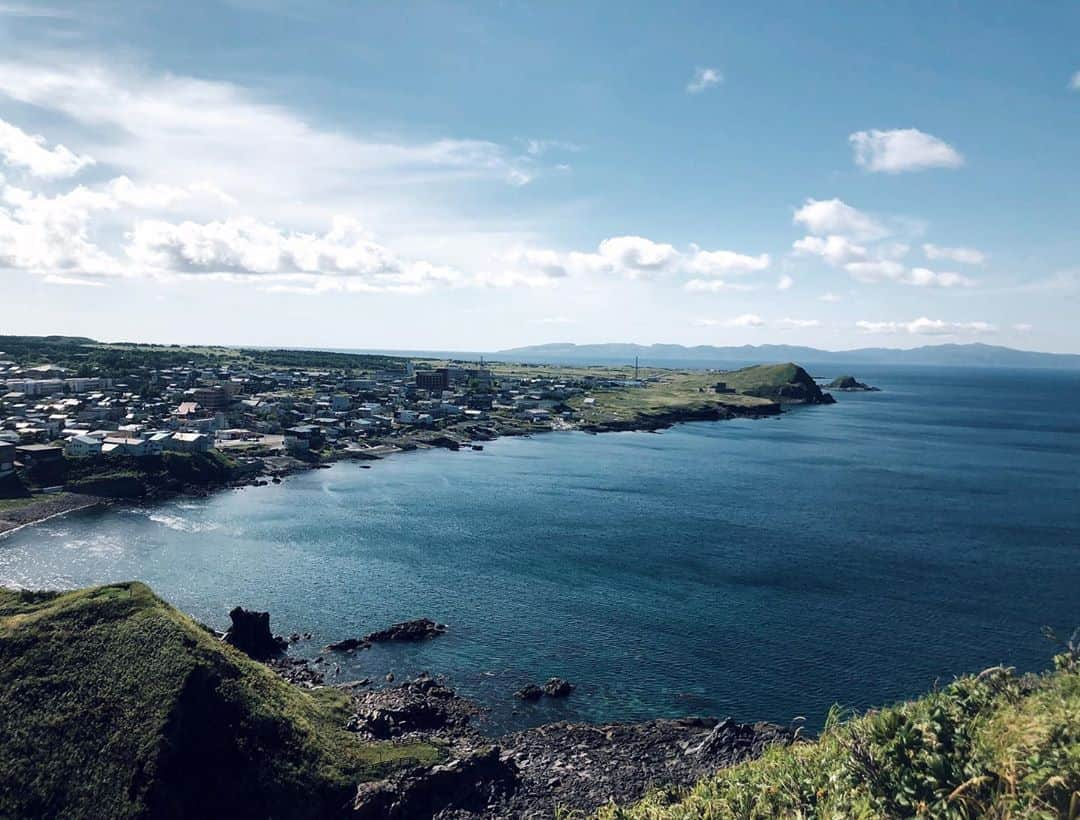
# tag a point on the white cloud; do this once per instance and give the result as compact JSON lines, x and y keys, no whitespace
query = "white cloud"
{"x":829,"y":297}
{"x":714,"y":286}
{"x":53,"y":279}
{"x":746,"y":320}
{"x":797,"y":324}
{"x":250,"y":248}
{"x":888,"y":270}
{"x":175,"y":129}
{"x":538,"y":147}
{"x":902,"y":149}
{"x":636,"y":257}
{"x":1074,"y":81}
{"x":785,"y":282}
{"x":704,"y":78}
{"x":1022,"y":327}
{"x":968,"y":256}
{"x":836,"y":250}
{"x":30,"y":152}
{"x":924,"y":277}
{"x":823,"y":217}
{"x":44,"y":234}
{"x":51,"y":234}
{"x":722,"y":263}
{"x":928,"y":327}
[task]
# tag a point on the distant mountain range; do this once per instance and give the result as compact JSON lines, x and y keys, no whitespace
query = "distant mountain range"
{"x":967,"y":355}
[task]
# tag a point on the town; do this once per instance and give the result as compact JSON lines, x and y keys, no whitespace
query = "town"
{"x":83,"y":420}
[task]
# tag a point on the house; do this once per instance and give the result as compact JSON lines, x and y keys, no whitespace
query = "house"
{"x":190,"y":443}
{"x":7,"y":458}
{"x":134,"y":447}
{"x":39,"y":455}
{"x":82,"y":446}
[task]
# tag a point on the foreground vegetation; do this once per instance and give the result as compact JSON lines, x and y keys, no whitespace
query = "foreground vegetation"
{"x":994,"y":745}
{"x":114,"y":704}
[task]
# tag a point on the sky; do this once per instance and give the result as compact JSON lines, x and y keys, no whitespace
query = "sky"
{"x":478,"y":176}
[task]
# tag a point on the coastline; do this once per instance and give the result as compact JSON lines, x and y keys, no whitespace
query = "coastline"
{"x":45,"y":507}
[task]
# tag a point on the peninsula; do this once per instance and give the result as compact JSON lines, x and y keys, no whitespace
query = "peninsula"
{"x":83,"y":423}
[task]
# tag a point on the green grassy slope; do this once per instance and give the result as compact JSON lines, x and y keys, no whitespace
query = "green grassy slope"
{"x":992,"y":746}
{"x":114,"y":704}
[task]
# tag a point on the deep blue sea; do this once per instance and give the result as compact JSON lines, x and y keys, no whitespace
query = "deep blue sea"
{"x":856,"y":553}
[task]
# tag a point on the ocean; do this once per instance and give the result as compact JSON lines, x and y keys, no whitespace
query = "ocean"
{"x":857,"y":554}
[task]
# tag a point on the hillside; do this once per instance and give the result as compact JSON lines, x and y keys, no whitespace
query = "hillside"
{"x":994,"y":745}
{"x":785,"y":383}
{"x":116,"y":705}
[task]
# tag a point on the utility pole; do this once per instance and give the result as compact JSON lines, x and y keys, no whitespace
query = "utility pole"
{"x":635,"y":368}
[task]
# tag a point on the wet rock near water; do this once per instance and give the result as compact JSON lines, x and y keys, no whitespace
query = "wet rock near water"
{"x":298,"y":671}
{"x":530,"y":693}
{"x":558,"y":688}
{"x":554,"y":688}
{"x":250,"y":633}
{"x":422,"y":706}
{"x":417,"y":630}
{"x":573,"y":767}
{"x":349,"y":645}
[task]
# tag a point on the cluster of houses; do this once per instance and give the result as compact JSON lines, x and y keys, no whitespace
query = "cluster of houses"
{"x":46,"y":412}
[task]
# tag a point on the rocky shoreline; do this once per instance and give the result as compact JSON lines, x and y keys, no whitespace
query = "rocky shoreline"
{"x":537,"y":772}
{"x":531,"y":773}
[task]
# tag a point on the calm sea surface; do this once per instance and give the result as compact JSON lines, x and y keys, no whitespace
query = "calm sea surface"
{"x":763,"y":569}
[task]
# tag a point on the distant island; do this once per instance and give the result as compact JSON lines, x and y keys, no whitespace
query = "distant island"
{"x":963,"y":355}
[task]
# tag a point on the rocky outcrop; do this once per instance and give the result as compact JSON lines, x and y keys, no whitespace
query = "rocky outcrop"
{"x":849,"y":384}
{"x":349,"y":645}
{"x":580,"y":767}
{"x":422,"y":706}
{"x":473,"y":784}
{"x":250,"y":633}
{"x":530,"y":692}
{"x":558,"y":688}
{"x":418,"y":630}
{"x":572,"y":767}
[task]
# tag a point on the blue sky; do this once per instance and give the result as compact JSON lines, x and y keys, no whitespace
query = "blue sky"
{"x":478,"y":176}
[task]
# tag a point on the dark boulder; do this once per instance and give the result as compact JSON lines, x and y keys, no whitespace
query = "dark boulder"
{"x":530,"y":692}
{"x":348,"y":645}
{"x":417,"y":630}
{"x":558,"y":688}
{"x":250,"y":633}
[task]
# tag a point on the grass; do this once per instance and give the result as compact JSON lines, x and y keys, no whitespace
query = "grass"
{"x":8,"y":505}
{"x":988,"y":746}
{"x":114,"y":704}
{"x":674,"y":390}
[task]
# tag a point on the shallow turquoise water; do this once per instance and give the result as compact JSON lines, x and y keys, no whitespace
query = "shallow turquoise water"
{"x":763,"y":569}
